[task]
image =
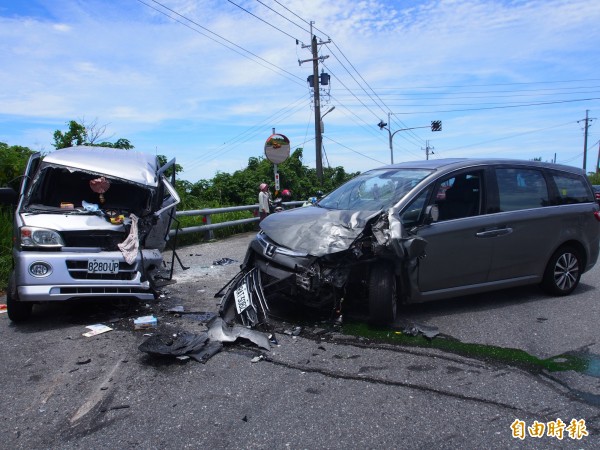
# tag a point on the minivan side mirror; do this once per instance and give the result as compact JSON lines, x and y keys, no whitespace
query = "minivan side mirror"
{"x":8,"y":197}
{"x":432,"y":214}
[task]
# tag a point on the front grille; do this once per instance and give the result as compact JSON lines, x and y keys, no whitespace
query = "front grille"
{"x":102,"y":291}
{"x":78,"y":271}
{"x":104,"y":239}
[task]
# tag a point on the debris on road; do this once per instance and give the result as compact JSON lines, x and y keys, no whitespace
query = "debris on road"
{"x":96,"y":329}
{"x":145,"y":322}
{"x":205,"y":345}
{"x":414,"y":329}
{"x":224,"y":262}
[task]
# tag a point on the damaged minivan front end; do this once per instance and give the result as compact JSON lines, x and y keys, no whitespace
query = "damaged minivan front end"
{"x":90,"y":222}
{"x":321,"y":255}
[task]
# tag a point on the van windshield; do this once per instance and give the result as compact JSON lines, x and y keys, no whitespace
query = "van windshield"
{"x":66,"y":190}
{"x":374,"y":190}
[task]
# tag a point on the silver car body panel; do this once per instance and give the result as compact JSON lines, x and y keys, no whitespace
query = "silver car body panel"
{"x":138,"y":186}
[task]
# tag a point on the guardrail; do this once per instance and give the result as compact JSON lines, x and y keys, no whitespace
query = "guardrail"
{"x":209,"y":227}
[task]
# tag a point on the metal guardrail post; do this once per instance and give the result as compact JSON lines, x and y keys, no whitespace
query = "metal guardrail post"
{"x":209,"y":235}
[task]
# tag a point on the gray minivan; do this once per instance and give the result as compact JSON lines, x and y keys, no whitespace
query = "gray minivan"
{"x":425,"y":230}
{"x":89,"y":222}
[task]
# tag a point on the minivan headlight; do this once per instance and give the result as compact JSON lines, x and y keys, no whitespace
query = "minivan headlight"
{"x":32,"y":237}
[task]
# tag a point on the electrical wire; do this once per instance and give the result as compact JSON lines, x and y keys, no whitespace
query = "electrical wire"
{"x":294,"y":78}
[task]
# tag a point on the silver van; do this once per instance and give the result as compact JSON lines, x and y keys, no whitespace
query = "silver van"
{"x":421,"y":231}
{"x":89,"y":222}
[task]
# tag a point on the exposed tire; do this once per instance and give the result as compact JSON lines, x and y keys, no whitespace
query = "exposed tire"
{"x":563,"y":271}
{"x":382,"y":294}
{"x":17,"y":311}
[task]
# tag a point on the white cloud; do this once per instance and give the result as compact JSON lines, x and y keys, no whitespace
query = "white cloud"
{"x":162,"y":84}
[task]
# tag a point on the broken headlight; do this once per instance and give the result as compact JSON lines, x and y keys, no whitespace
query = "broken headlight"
{"x":33,"y":237}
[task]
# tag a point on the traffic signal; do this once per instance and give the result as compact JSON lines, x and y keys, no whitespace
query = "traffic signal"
{"x":436,"y":125}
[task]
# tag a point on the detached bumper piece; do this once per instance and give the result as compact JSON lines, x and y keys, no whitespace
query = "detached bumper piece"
{"x":245,"y":300}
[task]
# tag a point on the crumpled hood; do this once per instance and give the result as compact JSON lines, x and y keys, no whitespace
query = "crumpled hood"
{"x":315,"y":230}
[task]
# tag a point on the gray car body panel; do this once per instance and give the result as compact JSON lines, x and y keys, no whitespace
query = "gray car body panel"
{"x":463,"y":256}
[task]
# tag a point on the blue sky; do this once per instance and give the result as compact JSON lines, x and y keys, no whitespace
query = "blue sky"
{"x":206,"y":81}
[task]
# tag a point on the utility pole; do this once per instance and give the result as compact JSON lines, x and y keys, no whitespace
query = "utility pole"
{"x":316,"y":86}
{"x":598,"y":159}
{"x":587,"y":120}
{"x":427,"y":148}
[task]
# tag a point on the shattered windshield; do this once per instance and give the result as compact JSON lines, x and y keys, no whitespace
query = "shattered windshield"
{"x":63,"y":190}
{"x":374,"y":190}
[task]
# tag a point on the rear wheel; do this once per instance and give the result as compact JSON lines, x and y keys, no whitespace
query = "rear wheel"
{"x":17,"y":311}
{"x":382,"y":294}
{"x":563,"y":271}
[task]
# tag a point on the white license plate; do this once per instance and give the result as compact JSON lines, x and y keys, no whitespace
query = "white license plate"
{"x":242,"y":298}
{"x":103,"y":266}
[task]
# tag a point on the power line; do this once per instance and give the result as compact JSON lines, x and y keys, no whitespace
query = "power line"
{"x":264,"y":21}
{"x":220,"y":37}
{"x":501,"y":107}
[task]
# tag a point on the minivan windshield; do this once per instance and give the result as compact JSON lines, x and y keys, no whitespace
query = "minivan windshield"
{"x":374,"y":190}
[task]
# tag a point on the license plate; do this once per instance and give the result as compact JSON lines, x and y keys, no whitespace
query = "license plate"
{"x":242,"y":298}
{"x":103,"y":266}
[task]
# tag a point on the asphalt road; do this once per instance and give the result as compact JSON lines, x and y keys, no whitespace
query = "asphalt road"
{"x":511,"y":357}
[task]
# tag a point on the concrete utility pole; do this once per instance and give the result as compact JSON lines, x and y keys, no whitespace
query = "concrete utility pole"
{"x":587,"y":120}
{"x":427,"y":148}
{"x":317,"y":99}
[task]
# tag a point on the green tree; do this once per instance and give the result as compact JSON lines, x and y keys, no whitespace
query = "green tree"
{"x":13,"y":160}
{"x":241,"y":187}
{"x":80,"y":133}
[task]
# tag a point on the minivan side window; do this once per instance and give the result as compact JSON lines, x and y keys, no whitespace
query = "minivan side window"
{"x":459,"y":196}
{"x":571,"y":189}
{"x":521,"y":188}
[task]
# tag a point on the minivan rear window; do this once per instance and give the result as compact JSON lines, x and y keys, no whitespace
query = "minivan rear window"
{"x":521,"y":188}
{"x":571,"y":190}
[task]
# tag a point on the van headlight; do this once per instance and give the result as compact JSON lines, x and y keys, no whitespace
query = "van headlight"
{"x":32,"y":237}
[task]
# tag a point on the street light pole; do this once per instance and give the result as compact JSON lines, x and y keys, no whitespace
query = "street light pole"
{"x":436,"y":125}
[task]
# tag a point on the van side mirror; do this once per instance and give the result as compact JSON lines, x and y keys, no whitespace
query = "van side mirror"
{"x":8,"y":197}
{"x":432,"y":214}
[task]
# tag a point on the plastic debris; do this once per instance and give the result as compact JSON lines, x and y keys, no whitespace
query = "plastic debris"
{"x":3,"y":308}
{"x":196,"y":346}
{"x":96,"y":329}
{"x":414,"y":329}
{"x":224,"y":262}
{"x":205,"y":345}
{"x":145,"y":322}
{"x":218,"y":330}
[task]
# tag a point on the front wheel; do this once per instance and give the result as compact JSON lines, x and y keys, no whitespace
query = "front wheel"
{"x":17,"y":311}
{"x":382,"y":294}
{"x":563,"y":271}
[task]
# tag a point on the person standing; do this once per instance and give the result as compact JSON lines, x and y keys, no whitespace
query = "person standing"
{"x":263,"y":201}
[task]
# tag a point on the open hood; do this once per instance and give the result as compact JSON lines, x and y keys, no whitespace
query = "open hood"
{"x":315,"y":230}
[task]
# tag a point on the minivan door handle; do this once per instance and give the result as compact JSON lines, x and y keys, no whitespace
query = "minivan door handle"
{"x":495,"y":232}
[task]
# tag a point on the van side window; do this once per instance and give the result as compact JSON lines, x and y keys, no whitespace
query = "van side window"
{"x":571,"y":189}
{"x":521,"y":188}
{"x":459,"y":196}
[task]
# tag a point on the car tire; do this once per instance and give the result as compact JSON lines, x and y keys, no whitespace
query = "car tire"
{"x":563,"y":271}
{"x":382,"y":294}
{"x":17,"y":311}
